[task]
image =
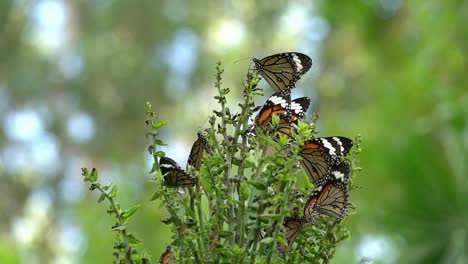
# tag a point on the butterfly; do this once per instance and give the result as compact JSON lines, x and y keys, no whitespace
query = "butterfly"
{"x":332,"y":198}
{"x":283,"y":70}
{"x":291,"y":228}
{"x":167,"y":257}
{"x":174,"y":175}
{"x":319,"y":154}
{"x":288,"y":111}
{"x":196,"y":153}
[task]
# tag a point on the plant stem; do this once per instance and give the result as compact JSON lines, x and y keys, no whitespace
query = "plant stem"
{"x":118,"y":214}
{"x":201,"y":220}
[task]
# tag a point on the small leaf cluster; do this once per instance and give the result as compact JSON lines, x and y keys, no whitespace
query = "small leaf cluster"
{"x":125,"y":242}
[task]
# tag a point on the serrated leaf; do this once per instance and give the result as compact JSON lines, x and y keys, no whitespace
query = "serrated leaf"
{"x":131,"y":211}
{"x":113,"y":191}
{"x":160,"y":124}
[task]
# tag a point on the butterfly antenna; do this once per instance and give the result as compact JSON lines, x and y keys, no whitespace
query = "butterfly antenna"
{"x":242,"y":59}
{"x":200,"y":127}
{"x":200,"y":130}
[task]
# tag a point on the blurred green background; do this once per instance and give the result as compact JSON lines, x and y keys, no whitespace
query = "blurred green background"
{"x":75,"y":76}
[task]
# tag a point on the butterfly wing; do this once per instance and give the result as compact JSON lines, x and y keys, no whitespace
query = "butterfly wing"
{"x":319,"y":154}
{"x":331,"y":199}
{"x":291,"y":228}
{"x":167,"y":257}
{"x":277,"y":104}
{"x":288,"y":111}
{"x":299,"y":107}
{"x":196,"y":153}
{"x":174,"y":175}
{"x":283,"y":70}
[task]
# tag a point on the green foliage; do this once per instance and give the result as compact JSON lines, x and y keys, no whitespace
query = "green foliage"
{"x":395,"y":70}
{"x":124,"y":251}
{"x":235,"y":212}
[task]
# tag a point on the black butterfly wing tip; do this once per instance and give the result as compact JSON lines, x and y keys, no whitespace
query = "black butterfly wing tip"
{"x":167,"y":160}
{"x":346,"y":143}
{"x":342,"y":216}
{"x":305,"y":58}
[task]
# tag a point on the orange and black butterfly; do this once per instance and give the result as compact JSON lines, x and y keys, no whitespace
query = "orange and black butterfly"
{"x":332,"y":198}
{"x":174,"y":175}
{"x":320,"y":154}
{"x":291,"y":228}
{"x":196,"y":153}
{"x":283,"y":70}
{"x":288,"y":111}
{"x":167,"y":257}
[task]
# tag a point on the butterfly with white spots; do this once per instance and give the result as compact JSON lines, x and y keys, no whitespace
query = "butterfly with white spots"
{"x":283,"y":70}
{"x":289,"y":112}
{"x":174,"y":175}
{"x":319,"y":155}
{"x":332,"y":198}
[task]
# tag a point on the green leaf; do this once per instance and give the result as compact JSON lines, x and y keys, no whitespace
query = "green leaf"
{"x":257,"y":185}
{"x":160,"y":154}
{"x":282,"y":240}
{"x":225,"y":234}
{"x":275,"y":120}
{"x":113,"y":191}
{"x":94,"y":175}
{"x":267,"y":240}
{"x":130,"y":212}
{"x":249,"y":164}
{"x":102,"y":197}
{"x":155,"y":196}
{"x":159,"y":142}
{"x":160,"y":124}
{"x":119,"y":228}
{"x":133,"y":240}
{"x":245,"y":190}
{"x":225,"y":91}
{"x":257,"y":92}
{"x":153,"y":169}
